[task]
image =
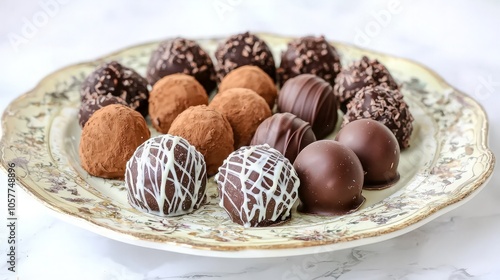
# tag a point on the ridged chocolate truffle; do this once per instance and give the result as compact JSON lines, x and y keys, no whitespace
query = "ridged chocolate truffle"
{"x":309,"y":55}
{"x":170,"y":96}
{"x":251,"y":77}
{"x":166,"y":176}
{"x":89,"y":106}
{"x":331,"y":179}
{"x":244,"y":109}
{"x":361,"y":73}
{"x":244,"y":49}
{"x":286,"y":133}
{"x":257,"y":186}
{"x":311,"y":99}
{"x":185,"y":56}
{"x":109,"y":139}
{"x":386,"y":106}
{"x":377,"y":149}
{"x":114,"y":79}
{"x":209,"y":131}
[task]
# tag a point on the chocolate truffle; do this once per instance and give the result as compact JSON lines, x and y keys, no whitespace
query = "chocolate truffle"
{"x":331,"y":179}
{"x":257,"y":186}
{"x":89,"y":106}
{"x":286,"y":133}
{"x":114,"y":79}
{"x":311,"y":99}
{"x":377,"y":149}
{"x":244,"y":109}
{"x":361,"y":73}
{"x":244,"y":49}
{"x":170,"y":96}
{"x":209,"y":131}
{"x":109,"y":139}
{"x":386,"y":106}
{"x":185,"y":56}
{"x":166,"y":176}
{"x":309,"y":55}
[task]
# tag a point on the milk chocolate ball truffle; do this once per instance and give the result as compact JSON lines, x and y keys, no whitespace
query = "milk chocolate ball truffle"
{"x":244,"y":109}
{"x":89,"y":106}
{"x":361,"y":73}
{"x":114,"y":79}
{"x":166,"y":176}
{"x":309,"y":55}
{"x":311,"y":99}
{"x":257,"y":186}
{"x":209,"y":131}
{"x":110,"y":138}
{"x":251,"y":77}
{"x":286,"y":133}
{"x":386,"y":106}
{"x":331,"y":179}
{"x":170,"y":96}
{"x":377,"y":149}
{"x":244,"y":49}
{"x":185,"y":56}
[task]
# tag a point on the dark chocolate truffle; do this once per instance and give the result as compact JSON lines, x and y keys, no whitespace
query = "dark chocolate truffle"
{"x":331,"y":179}
{"x":89,"y":106}
{"x":311,"y":99}
{"x":244,"y":49}
{"x":309,"y":55}
{"x":185,"y":56}
{"x":386,"y":106}
{"x":114,"y":79}
{"x":166,"y":176}
{"x":286,"y":133}
{"x":244,"y":109}
{"x":257,"y":186}
{"x":377,"y":149}
{"x":361,"y":73}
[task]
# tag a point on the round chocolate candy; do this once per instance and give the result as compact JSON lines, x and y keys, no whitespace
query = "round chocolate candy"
{"x":89,"y":106}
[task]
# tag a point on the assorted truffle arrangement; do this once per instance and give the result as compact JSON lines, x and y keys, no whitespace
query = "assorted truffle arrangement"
{"x":266,"y":147}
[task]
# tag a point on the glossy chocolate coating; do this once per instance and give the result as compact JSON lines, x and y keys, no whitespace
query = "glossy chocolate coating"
{"x":286,"y":133}
{"x":89,"y":106}
{"x":311,"y":99}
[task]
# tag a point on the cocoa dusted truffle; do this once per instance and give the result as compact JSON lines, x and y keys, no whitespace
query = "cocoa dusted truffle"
{"x":185,"y":56}
{"x":386,"y":106}
{"x":209,"y":131}
{"x":166,"y":176}
{"x":170,"y":96}
{"x":331,"y":179}
{"x":114,"y":79}
{"x":89,"y":106}
{"x":251,"y":77}
{"x":309,"y":55}
{"x":286,"y":133}
{"x":361,"y":73}
{"x":244,"y":109}
{"x":244,"y":49}
{"x":377,"y":149}
{"x":257,"y":186}
{"x":109,"y":139}
{"x":311,"y":99}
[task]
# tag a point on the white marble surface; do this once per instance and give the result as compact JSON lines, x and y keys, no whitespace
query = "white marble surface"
{"x":451,"y":37}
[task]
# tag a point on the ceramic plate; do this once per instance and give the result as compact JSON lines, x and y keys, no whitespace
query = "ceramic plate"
{"x":448,"y":162}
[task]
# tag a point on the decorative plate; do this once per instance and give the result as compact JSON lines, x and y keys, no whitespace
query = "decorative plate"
{"x":448,"y":162}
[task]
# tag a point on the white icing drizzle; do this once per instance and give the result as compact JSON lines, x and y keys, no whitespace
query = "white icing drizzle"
{"x":157,"y":169}
{"x":275,"y":172}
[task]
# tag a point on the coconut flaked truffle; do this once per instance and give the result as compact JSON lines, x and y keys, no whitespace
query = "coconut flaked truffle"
{"x":251,"y":77}
{"x":209,"y":131}
{"x":257,"y":186}
{"x":309,"y":55}
{"x":114,"y":79}
{"x":361,"y":73}
{"x":109,"y":139}
{"x":170,"y":96}
{"x":386,"y":106}
{"x":166,"y":176}
{"x":185,"y":56}
{"x":89,"y":106}
{"x":244,"y":49}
